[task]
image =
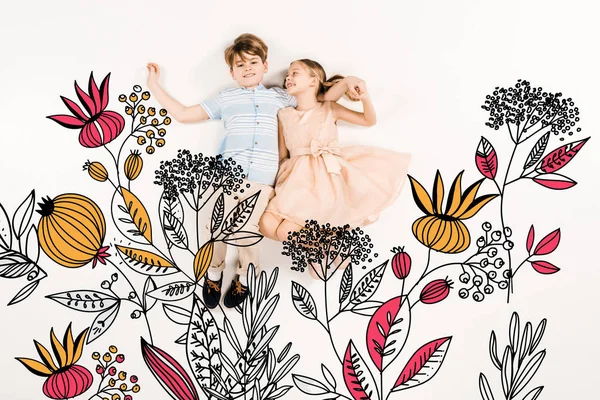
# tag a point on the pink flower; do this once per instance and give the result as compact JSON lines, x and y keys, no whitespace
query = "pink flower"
{"x":98,"y":126}
{"x":400,"y":263}
{"x":435,"y":291}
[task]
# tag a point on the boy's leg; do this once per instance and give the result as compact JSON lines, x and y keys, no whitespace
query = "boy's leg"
{"x":250,"y":254}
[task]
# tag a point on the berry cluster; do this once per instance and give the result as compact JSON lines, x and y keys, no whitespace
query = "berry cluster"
{"x":149,"y":126}
{"x":321,"y":244}
{"x":525,"y":106}
{"x":108,"y":372}
{"x":189,"y":172}
{"x":487,"y":273}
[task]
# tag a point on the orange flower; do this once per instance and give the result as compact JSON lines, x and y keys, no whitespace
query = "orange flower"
{"x":444,"y":231}
{"x":65,"y":379}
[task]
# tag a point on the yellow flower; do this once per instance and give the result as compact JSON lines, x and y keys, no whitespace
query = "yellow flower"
{"x":133,"y":165}
{"x":444,"y":231}
{"x":64,"y":379}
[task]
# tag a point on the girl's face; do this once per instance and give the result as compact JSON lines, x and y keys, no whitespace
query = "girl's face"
{"x":248,"y":71}
{"x":298,"y":79}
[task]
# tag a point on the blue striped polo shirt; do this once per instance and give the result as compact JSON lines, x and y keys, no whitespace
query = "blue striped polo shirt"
{"x":251,"y":131}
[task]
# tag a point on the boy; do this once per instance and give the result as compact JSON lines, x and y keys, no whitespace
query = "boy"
{"x":249,"y":113}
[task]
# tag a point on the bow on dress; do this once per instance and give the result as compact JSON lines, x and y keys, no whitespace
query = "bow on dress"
{"x":328,"y":151}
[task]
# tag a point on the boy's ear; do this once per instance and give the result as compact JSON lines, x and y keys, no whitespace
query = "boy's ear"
{"x":231,"y":73}
{"x":266,"y":63}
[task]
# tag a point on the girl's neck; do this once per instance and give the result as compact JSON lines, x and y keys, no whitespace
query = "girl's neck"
{"x":306,"y":101}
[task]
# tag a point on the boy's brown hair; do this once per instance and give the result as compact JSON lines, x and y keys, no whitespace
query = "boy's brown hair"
{"x":246,"y":43}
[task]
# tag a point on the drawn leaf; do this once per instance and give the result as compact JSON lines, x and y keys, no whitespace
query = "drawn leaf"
{"x":309,"y":385}
{"x":534,"y":393}
{"x":173,"y":291}
{"x":366,"y":287}
{"x":243,"y":239}
{"x":232,"y":337}
{"x":123,"y":220}
{"x":527,"y":373}
{"x":5,"y":231}
{"x":175,"y":231}
{"x":537,"y":151}
{"x":32,"y":245}
{"x":367,"y":308}
{"x":218,"y":213}
{"x":554,"y":181}
{"x":345,"y":285}
{"x":265,"y":312}
{"x":530,"y":239}
{"x":102,"y":322}
{"x":525,"y":341}
{"x":171,"y":205}
{"x":203,"y":344}
{"x":85,"y":300}
{"x":561,"y":156}
{"x":387,"y":332}
{"x":138,"y":214}
{"x":23,"y":214}
{"x":484,"y":388}
{"x":514,"y":329}
{"x":548,"y":244}
{"x":182,"y":339}
{"x":286,"y":368}
{"x":357,"y":376}
{"x":177,"y":314}
{"x":486,"y":159}
{"x":15,"y":265}
{"x":148,"y":302}
{"x":328,"y":378}
{"x":239,"y":216}
{"x":145,"y":262}
{"x":423,"y":364}
{"x":203,"y":259}
{"x":544,"y":267}
{"x":169,"y":373}
{"x":507,"y":372}
{"x":24,"y":292}
{"x":303,"y":301}
{"x":537,"y":337}
{"x":494,"y":351}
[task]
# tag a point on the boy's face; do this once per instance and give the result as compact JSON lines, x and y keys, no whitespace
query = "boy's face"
{"x":248,"y":70}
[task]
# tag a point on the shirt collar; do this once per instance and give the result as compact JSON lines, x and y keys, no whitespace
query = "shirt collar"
{"x":260,"y":86}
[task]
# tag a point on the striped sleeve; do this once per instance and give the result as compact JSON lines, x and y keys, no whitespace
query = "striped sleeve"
{"x":213,"y":106}
{"x":287,"y":99}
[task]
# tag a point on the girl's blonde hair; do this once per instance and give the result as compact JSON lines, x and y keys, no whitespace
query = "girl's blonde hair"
{"x":315,"y":69}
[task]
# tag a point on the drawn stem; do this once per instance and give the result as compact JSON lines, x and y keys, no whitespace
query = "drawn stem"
{"x":502,"y":196}
{"x":328,"y":327}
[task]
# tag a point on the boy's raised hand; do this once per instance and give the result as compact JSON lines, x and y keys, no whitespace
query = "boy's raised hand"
{"x":153,"y":73}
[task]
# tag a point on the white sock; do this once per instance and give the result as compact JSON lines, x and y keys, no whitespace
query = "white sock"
{"x":214,"y":275}
{"x":243,"y":280}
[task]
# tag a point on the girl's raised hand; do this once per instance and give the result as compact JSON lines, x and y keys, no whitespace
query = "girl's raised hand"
{"x":153,"y":73}
{"x":357,"y":88}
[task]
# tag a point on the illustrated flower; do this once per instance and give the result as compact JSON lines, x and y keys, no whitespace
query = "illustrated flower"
{"x":65,"y":379}
{"x":133,"y":165}
{"x":71,"y":230}
{"x":444,"y":231}
{"x":435,"y":291}
{"x":98,"y":126}
{"x":401,"y":263}
{"x":96,"y":170}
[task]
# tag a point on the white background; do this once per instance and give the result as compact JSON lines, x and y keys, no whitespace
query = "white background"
{"x":428,"y":66}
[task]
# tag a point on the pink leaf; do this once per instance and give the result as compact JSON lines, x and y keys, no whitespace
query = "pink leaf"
{"x":357,"y":376}
{"x":74,"y":108}
{"x":560,"y":157}
{"x":486,"y":159}
{"x":67,"y":121}
{"x":548,"y":244}
{"x":544,"y":267}
{"x":169,"y":373}
{"x":554,"y":181}
{"x":530,"y":239}
{"x":104,"y":92}
{"x":423,"y":365}
{"x":387,"y":332}
{"x":86,"y":100}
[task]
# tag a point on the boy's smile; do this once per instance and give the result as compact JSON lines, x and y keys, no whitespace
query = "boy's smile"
{"x":248,"y":70}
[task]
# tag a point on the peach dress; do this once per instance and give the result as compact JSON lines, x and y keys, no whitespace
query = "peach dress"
{"x":331,"y":184}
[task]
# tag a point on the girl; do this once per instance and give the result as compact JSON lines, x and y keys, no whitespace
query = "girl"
{"x":318,"y":180}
